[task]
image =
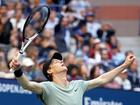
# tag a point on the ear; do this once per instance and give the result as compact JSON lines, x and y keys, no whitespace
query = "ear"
{"x":49,"y":71}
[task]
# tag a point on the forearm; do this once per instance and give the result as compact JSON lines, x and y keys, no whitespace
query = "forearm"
{"x":29,"y":85}
{"x":24,"y":82}
{"x":106,"y":77}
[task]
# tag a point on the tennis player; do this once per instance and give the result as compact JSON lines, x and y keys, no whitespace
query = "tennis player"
{"x":58,"y":90}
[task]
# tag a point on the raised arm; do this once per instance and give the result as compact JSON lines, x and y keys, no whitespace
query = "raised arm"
{"x":22,"y":79}
{"x":107,"y":77}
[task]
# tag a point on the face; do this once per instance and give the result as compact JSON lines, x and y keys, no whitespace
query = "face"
{"x":57,"y":66}
{"x":18,"y":14}
{"x":65,"y":22}
{"x":52,"y":15}
{"x":3,"y":9}
{"x":134,"y":66}
{"x":90,"y":18}
{"x":83,"y":29}
{"x":71,"y":59}
{"x":97,"y":71}
{"x":105,"y":55}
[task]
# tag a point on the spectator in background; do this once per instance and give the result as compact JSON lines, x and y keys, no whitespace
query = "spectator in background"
{"x":15,"y":38}
{"x":134,"y":76}
{"x":129,"y":52}
{"x":48,"y":35}
{"x":5,"y":26}
{"x":82,"y":36}
{"x":38,"y":74}
{"x":33,"y":3}
{"x":52,"y":21}
{"x":106,"y":62}
{"x":32,"y":52}
{"x":95,"y":51}
{"x":3,"y":9}
{"x":84,"y":40}
{"x":47,"y":43}
{"x":50,"y":3}
{"x":123,"y":81}
{"x":80,"y":5}
{"x":84,"y":72}
{"x":125,"y":78}
{"x":18,"y":20}
{"x":63,"y":35}
{"x":112,"y":85}
{"x":20,"y":5}
{"x":85,"y":53}
{"x":73,"y":23}
{"x":3,"y":63}
{"x":117,"y":56}
{"x":92,"y":25}
{"x":105,"y":33}
{"x":10,"y":8}
{"x":28,"y":67}
{"x":73,"y":17}
{"x":73,"y":72}
{"x":70,"y":59}
{"x":27,"y":6}
{"x":112,"y":41}
{"x":96,"y":71}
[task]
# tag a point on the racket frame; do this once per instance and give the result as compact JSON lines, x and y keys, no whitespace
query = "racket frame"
{"x":29,"y":40}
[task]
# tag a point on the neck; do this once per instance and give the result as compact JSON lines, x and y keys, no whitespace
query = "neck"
{"x":61,"y":79}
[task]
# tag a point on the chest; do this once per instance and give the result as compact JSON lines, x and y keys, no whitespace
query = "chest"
{"x":71,"y":96}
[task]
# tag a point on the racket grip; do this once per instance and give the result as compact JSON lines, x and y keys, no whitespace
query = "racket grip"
{"x":19,"y":58}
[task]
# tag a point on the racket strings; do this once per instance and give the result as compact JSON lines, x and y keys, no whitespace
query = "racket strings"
{"x":34,"y":25}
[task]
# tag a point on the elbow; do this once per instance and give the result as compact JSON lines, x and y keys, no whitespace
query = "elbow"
{"x":27,"y":86}
{"x":103,"y":80}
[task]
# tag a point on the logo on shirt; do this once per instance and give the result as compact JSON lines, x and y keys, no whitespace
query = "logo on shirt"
{"x":76,"y":89}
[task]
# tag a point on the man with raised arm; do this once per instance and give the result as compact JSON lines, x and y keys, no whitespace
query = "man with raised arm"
{"x":58,"y":90}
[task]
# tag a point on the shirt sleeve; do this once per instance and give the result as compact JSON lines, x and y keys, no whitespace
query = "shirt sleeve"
{"x":43,"y":96}
{"x":83,"y":84}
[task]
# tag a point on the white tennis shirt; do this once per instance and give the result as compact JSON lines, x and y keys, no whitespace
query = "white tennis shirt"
{"x":54,"y":94}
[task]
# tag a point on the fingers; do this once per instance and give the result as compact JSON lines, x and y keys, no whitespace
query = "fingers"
{"x":132,"y":57}
{"x":14,"y":64}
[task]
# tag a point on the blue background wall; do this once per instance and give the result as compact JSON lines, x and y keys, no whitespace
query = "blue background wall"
{"x":12,"y":94}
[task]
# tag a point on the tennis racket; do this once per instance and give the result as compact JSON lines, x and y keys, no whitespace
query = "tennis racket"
{"x":33,"y":26}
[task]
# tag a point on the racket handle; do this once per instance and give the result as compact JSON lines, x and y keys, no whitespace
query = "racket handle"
{"x":19,"y":58}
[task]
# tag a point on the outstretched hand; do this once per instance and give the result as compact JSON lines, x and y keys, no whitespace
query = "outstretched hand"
{"x":129,"y":59}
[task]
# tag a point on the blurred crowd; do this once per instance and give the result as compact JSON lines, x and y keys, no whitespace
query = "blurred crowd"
{"x":90,"y":47}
